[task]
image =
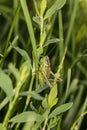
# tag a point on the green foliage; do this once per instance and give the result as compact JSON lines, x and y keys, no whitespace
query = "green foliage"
{"x":55,"y":7}
{"x":52,"y":97}
{"x":26,"y":117}
{"x":6,"y":84}
{"x":43,"y":75}
{"x":60,"y":109}
{"x":32,"y":94}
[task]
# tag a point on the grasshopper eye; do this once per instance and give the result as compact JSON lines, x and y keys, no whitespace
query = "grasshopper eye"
{"x":47,"y":58}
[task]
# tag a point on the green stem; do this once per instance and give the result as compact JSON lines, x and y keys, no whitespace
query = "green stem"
{"x":45,"y":124}
{"x":9,"y":112}
{"x":59,"y":123}
{"x":27,"y":100}
{"x":61,"y":46}
{"x":28,"y":97}
{"x":12,"y":104}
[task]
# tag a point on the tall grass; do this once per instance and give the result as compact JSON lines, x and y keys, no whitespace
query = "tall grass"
{"x":43,"y":65}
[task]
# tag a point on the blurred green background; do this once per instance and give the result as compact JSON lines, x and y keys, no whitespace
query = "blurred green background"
{"x":74,"y":24}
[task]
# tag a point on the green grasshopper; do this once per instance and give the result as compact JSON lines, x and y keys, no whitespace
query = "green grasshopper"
{"x":45,"y":71}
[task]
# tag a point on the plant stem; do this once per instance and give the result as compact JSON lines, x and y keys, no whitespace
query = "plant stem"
{"x":28,"y":97}
{"x":27,"y":100}
{"x":61,"y":48}
{"x":45,"y":123}
{"x":59,"y":123}
{"x":9,"y":112}
{"x":12,"y":105}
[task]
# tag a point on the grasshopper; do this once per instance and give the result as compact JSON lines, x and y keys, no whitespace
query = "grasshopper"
{"x":45,"y":71}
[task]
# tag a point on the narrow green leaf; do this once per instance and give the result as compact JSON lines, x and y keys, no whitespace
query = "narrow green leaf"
{"x":68,"y":81}
{"x":52,"y":41}
{"x":3,"y":103}
{"x":32,"y":107}
{"x":56,"y":6}
{"x":14,"y":71}
{"x":14,"y":42}
{"x":6,"y":84}
{"x":24,"y":72}
{"x":52,"y":98}
{"x":22,"y":52}
{"x":27,"y":117}
{"x":60,"y":109}
{"x":30,"y":27}
{"x":32,"y":94}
